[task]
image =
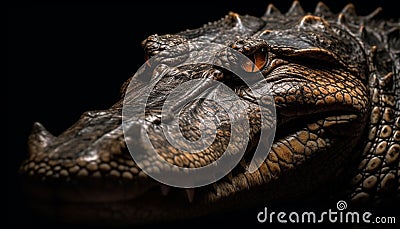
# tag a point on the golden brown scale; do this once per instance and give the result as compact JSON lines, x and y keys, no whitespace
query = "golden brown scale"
{"x":334,"y":79}
{"x":379,"y":170}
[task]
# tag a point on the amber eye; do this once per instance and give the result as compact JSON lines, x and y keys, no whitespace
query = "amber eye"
{"x":258,"y":61}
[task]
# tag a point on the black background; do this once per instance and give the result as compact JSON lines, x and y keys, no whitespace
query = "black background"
{"x":68,"y":57}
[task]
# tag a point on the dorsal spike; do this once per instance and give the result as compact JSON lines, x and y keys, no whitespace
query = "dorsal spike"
{"x":322,"y":10}
{"x":272,"y":10}
{"x":236,"y":17}
{"x":295,"y":9}
{"x":341,"y":19}
{"x":393,"y":35}
{"x":39,"y":138}
{"x":387,"y":80}
{"x":310,"y":20}
{"x":362,"y":32}
{"x":349,"y":11}
{"x":374,"y":13}
{"x":265,"y":32}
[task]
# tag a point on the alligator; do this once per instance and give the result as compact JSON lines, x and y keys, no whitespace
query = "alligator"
{"x":335,"y":83}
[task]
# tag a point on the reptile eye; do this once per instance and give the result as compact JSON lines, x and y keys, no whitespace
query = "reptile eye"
{"x":258,"y":61}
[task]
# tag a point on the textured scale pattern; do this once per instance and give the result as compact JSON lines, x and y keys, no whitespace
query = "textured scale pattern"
{"x":336,"y":87}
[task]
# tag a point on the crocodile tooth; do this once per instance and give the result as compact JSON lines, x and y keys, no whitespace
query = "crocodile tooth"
{"x":39,"y":138}
{"x":165,"y":190}
{"x":190,"y":194}
{"x":243,"y":163}
{"x":229,"y":176}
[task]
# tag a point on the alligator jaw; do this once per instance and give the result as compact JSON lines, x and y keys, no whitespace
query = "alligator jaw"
{"x":70,"y":186}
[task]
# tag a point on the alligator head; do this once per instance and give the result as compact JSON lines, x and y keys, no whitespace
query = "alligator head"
{"x":316,"y":67}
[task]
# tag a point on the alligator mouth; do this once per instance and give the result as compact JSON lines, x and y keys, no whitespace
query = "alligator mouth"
{"x":121,"y":199}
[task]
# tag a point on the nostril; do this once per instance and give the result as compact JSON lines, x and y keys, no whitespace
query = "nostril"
{"x":155,"y":44}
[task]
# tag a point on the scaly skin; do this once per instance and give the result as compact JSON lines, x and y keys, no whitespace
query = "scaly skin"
{"x":336,"y":87}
